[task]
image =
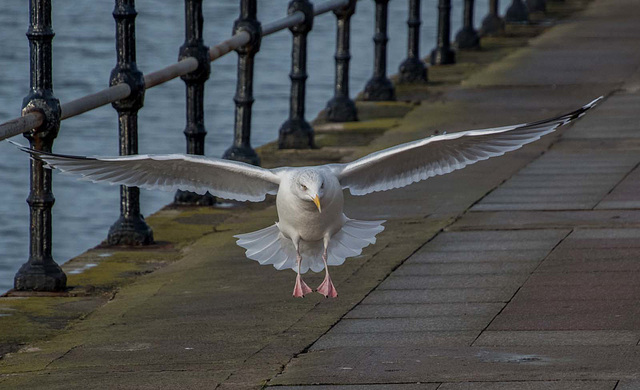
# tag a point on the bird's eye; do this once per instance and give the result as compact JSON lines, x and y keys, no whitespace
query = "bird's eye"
{"x":303,"y":187}
{"x":322,"y":186}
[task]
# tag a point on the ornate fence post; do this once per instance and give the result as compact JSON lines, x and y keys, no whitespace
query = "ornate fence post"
{"x":492,"y":24}
{"x":40,"y":272}
{"x":296,"y":132}
{"x":467,"y":37}
{"x":241,"y":149}
{"x":413,"y":70}
{"x":130,"y":228}
{"x":341,"y":108}
{"x":379,"y":87}
{"x":194,"y":131}
{"x":517,"y":12}
{"x":442,"y":54}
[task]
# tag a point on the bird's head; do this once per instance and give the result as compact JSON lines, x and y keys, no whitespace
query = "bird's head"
{"x":309,"y":186}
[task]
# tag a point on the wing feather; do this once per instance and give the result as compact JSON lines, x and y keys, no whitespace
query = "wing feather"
{"x":222,"y":178}
{"x":414,"y":161}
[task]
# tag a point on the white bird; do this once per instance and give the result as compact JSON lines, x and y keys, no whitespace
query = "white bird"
{"x":312,"y":231}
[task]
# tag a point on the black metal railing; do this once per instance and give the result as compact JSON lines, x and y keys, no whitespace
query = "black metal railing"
{"x":42,"y":112}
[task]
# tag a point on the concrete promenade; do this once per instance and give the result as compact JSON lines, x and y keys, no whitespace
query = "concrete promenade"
{"x":521,"y":272}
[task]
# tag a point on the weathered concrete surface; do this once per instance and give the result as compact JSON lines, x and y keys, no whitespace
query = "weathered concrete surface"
{"x":536,"y":286}
{"x":480,"y":306}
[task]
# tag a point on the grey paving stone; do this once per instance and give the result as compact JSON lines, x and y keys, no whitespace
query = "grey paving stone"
{"x":394,"y":386}
{"x":534,"y":206}
{"x":477,"y":268}
{"x":628,"y":385}
{"x":398,"y":282}
{"x":424,"y":324}
{"x":560,"y":337}
{"x":572,"y":252}
{"x":428,"y":256}
{"x":501,"y":235}
{"x":584,"y":279}
{"x":532,"y":385}
{"x":424,"y":310}
{"x":584,"y":265}
{"x":440,"y":295}
{"x":608,"y":234}
{"x":501,"y":245}
{"x":395,"y":340}
{"x":569,"y":315}
{"x":607,"y":292}
{"x":522,"y":192}
{"x":625,"y":194}
{"x":545,"y":218}
{"x":463,"y":364}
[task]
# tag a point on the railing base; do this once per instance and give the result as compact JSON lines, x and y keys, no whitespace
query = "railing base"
{"x":492,"y":25}
{"x":188,"y":198}
{"x":517,"y":12}
{"x":537,"y":6}
{"x":467,"y":38}
{"x":341,"y":109}
{"x":40,"y":277}
{"x":441,"y":56}
{"x":243,"y":153}
{"x":412,"y":71}
{"x":296,"y":134}
{"x":130,"y":231}
{"x":379,"y":89}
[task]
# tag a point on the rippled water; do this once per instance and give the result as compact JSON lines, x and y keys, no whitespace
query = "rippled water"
{"x":83,"y":58}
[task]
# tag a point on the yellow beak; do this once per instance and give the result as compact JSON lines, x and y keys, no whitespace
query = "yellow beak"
{"x":316,"y":200}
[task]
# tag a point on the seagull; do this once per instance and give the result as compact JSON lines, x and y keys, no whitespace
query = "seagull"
{"x":312,"y":232}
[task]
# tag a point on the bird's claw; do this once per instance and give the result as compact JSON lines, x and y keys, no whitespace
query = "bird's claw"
{"x":301,"y":288}
{"x":327,"y":288}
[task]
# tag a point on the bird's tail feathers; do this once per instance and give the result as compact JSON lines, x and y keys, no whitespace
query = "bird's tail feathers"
{"x":269,"y":246}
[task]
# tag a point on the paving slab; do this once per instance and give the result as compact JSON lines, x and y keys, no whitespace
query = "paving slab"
{"x":441,"y":323}
{"x":428,"y":256}
{"x":532,"y":385}
{"x":395,"y":339}
{"x":440,"y":295}
{"x":467,"y":268}
{"x":489,"y":220}
{"x":397,"y":282}
{"x":417,"y":310}
{"x":554,"y":315}
{"x":559,"y":337}
{"x":357,"y":365}
{"x":398,"y":386}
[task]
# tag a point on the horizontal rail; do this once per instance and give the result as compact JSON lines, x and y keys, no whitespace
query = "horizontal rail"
{"x":86,"y":103}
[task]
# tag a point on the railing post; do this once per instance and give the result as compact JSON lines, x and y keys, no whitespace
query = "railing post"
{"x":379,"y":87}
{"x":130,"y":228}
{"x":40,"y":272}
{"x":413,"y":70}
{"x":467,"y":37}
{"x":517,"y":12}
{"x":492,"y":24}
{"x":341,"y":108}
{"x":537,"y":6}
{"x":442,"y":54}
{"x":296,"y":132}
{"x":241,"y":149}
{"x":194,"y":131}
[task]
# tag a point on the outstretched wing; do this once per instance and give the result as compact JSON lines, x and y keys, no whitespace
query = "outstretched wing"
{"x":414,"y":161}
{"x":222,"y":178}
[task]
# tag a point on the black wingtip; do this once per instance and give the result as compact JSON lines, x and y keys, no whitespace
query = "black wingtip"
{"x":586,"y":107}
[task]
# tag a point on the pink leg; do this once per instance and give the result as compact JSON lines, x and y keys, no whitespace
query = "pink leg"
{"x":326,"y":288}
{"x":301,"y":288}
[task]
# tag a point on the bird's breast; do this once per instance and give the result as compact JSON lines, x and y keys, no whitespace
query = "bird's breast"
{"x":302,"y":219}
